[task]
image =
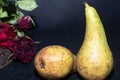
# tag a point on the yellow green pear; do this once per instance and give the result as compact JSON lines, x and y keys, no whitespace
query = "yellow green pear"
{"x":94,"y":60}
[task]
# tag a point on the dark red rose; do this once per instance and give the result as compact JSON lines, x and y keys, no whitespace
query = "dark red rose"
{"x":7,"y":36}
{"x":4,"y":27}
{"x":9,"y":44}
{"x":24,"y":49}
{"x":3,"y":36}
{"x":6,"y":31}
{"x":24,"y":23}
{"x":3,"y":30}
{"x":11,"y":34}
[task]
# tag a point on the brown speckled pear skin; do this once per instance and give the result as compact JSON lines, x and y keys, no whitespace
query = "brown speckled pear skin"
{"x":94,"y":60}
{"x":54,"y":62}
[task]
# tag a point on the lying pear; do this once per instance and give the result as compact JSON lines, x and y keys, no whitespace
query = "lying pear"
{"x":54,"y":62}
{"x":94,"y":59}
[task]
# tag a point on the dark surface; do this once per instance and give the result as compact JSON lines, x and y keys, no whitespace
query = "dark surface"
{"x":62,"y":22}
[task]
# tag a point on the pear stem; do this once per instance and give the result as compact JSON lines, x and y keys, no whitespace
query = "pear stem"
{"x":86,"y":4}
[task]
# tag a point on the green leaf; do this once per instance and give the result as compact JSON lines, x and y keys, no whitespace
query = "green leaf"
{"x":27,"y":5}
{"x":3,"y":13}
{"x":15,"y":18}
{"x":20,"y":33}
{"x":33,"y":22}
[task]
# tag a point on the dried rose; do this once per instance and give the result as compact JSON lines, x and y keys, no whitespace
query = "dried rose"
{"x":8,"y":44}
{"x":11,"y":33}
{"x":24,"y":49}
{"x":7,"y":36}
{"x":3,"y":30}
{"x":24,"y":23}
{"x":4,"y":27}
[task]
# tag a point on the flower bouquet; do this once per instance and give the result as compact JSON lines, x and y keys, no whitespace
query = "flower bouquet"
{"x":15,"y":44}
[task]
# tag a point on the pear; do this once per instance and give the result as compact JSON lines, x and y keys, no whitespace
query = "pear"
{"x":94,"y":60}
{"x":54,"y":62}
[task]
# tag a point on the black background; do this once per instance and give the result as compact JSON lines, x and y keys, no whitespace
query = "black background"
{"x":62,"y":22}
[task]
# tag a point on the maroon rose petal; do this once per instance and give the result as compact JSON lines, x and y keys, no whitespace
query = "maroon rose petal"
{"x":24,"y":49}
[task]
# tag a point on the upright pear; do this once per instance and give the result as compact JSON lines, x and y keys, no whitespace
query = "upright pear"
{"x":94,"y":60}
